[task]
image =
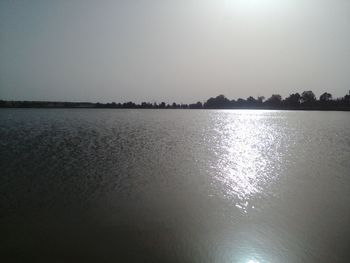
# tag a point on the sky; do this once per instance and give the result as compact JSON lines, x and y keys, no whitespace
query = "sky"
{"x":166,"y":50}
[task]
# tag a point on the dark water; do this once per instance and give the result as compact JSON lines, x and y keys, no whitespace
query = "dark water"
{"x":174,"y":186}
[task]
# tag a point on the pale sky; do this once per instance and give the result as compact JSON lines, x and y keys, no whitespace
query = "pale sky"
{"x":167,"y":50}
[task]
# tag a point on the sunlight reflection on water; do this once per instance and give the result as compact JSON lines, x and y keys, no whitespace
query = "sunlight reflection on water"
{"x":248,"y":153}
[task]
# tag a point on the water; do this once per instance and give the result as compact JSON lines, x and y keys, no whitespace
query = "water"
{"x":87,"y":185}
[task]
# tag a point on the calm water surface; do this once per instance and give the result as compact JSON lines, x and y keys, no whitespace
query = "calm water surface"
{"x":174,"y":186}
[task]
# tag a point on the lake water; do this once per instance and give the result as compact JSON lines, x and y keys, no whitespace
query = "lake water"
{"x":94,"y":185}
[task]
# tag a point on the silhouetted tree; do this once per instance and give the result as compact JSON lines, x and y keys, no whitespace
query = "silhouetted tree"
{"x":218,"y":102}
{"x":197,"y":105}
{"x":146,"y":105}
{"x":261,"y":99}
{"x":325,"y":97}
{"x":251,"y":100}
{"x":346,"y":98}
{"x":233,"y":103}
{"x":275,"y":100}
{"x":129,"y":104}
{"x":308,"y":97}
{"x":184,"y":106}
{"x":293,"y":100}
{"x":162,"y":105}
{"x":240,"y":102}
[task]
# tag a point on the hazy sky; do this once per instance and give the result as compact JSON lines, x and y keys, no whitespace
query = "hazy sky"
{"x":167,"y":50}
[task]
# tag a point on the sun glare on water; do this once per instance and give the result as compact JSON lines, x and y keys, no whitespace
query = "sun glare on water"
{"x":247,"y":161}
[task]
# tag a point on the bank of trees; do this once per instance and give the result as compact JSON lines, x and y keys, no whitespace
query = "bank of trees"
{"x":307,"y":100}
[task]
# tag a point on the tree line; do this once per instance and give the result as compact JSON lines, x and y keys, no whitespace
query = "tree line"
{"x":307,"y":100}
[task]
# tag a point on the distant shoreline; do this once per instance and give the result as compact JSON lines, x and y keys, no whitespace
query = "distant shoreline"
{"x":305,"y":102}
{"x":203,"y":109}
{"x":106,"y":106}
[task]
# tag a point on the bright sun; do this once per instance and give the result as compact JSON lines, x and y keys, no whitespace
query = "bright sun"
{"x":255,"y":6}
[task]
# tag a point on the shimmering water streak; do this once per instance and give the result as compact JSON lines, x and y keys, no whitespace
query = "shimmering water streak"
{"x":248,"y":156}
